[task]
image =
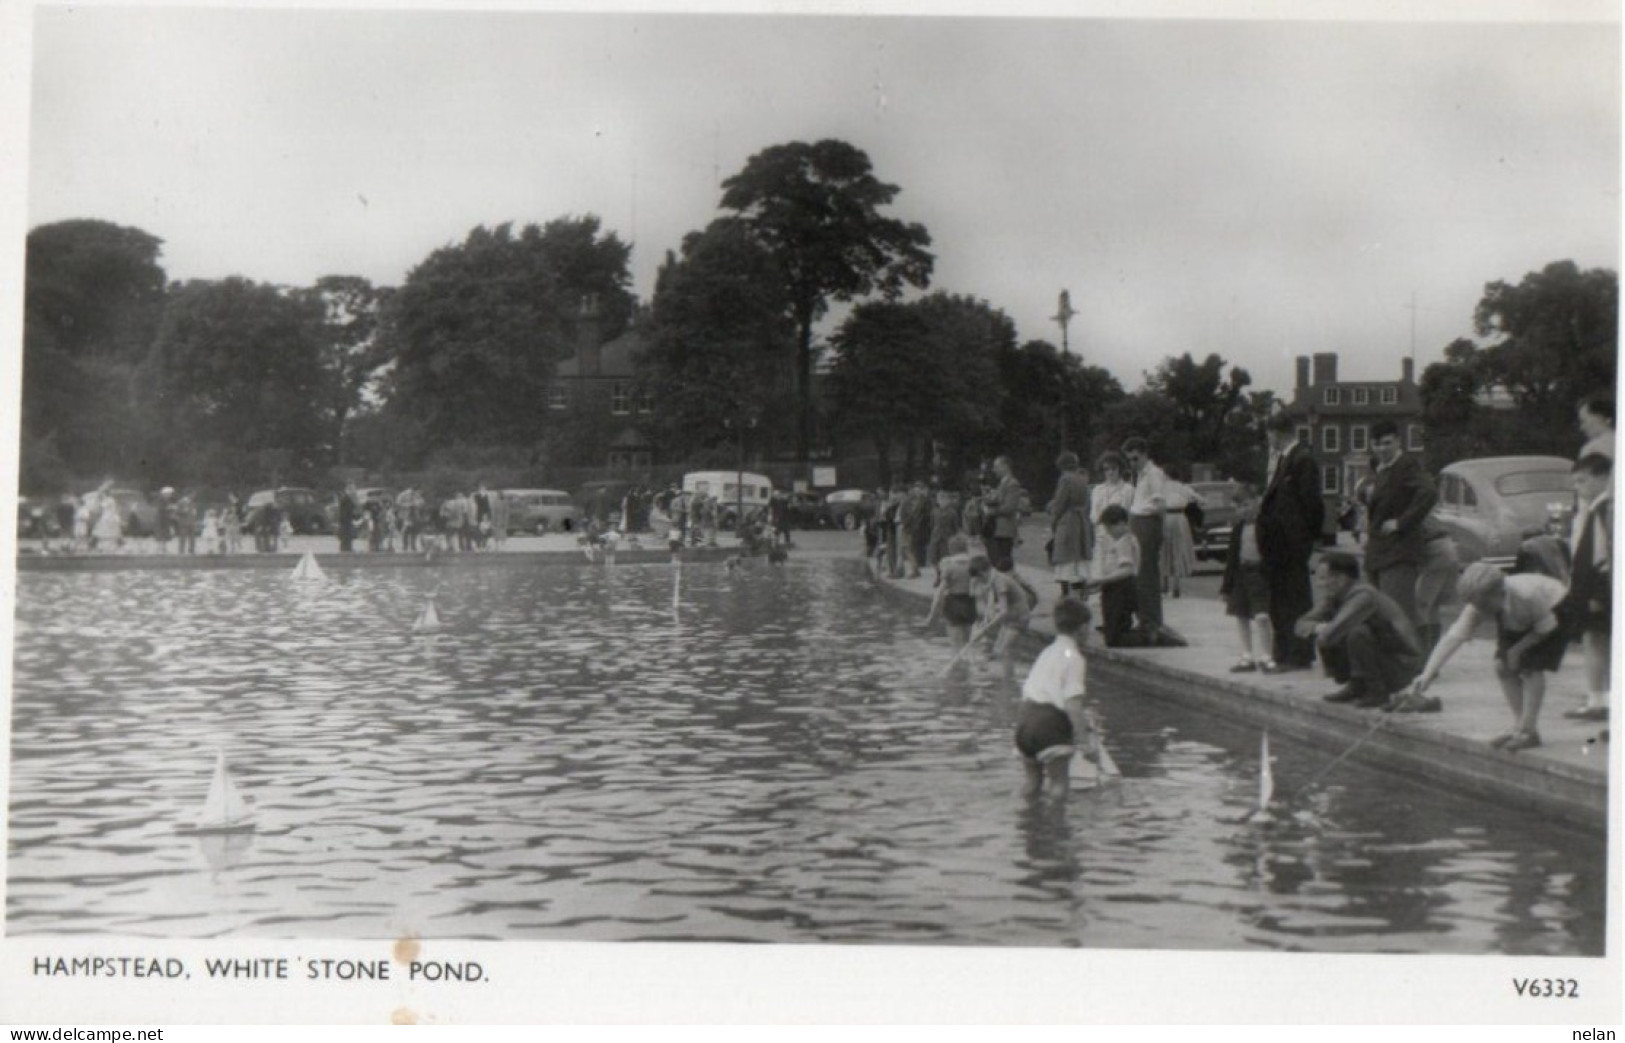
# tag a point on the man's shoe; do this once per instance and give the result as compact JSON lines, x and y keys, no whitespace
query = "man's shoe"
{"x":1347,"y":694}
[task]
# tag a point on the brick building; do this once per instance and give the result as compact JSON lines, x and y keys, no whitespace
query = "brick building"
{"x":1335,"y":418}
{"x":600,"y":418}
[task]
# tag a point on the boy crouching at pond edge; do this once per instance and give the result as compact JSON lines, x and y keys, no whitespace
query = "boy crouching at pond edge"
{"x":1051,"y":721}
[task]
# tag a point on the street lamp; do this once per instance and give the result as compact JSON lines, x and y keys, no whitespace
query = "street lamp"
{"x":1063,"y":315}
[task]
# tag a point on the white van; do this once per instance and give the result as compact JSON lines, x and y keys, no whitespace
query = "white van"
{"x":732,"y":490}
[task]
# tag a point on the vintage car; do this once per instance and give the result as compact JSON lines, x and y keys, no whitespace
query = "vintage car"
{"x":1219,"y":513}
{"x":300,"y":507}
{"x":1492,"y":504}
{"x":541,"y":510}
{"x":848,"y":508}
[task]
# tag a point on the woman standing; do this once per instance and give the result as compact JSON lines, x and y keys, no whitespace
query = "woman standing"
{"x":1071,"y":544}
{"x":1178,"y":545}
{"x":1113,"y":489}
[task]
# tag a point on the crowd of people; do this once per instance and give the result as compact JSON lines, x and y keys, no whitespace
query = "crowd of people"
{"x":1372,"y":619}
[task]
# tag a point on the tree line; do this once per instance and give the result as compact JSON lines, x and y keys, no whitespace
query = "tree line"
{"x":226,"y":382}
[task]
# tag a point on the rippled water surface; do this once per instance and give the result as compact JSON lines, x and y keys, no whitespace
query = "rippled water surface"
{"x":654,"y":753}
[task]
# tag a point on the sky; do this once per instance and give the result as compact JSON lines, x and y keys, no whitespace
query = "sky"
{"x":1259,"y":188}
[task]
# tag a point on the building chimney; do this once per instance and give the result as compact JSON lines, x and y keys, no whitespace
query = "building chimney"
{"x":1326,"y":367}
{"x":1407,"y":371}
{"x":1303,"y":372}
{"x":587,"y":345}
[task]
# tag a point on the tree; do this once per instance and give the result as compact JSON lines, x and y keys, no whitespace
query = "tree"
{"x":1039,"y":382}
{"x":236,"y":368}
{"x":1203,"y":398}
{"x":350,"y":346}
{"x":477,"y":329}
{"x":93,"y":295}
{"x":1147,"y":414}
{"x":816,"y":209}
{"x":1557,"y":341}
{"x":923,"y":374}
{"x":719,"y":341}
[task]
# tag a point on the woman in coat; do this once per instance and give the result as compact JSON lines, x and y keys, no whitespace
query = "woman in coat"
{"x":1071,"y":529}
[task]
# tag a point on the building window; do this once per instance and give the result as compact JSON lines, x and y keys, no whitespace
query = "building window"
{"x":1306,"y":437}
{"x":646,"y":401}
{"x":1328,"y":478}
{"x":1329,"y":440}
{"x":1361,"y":396}
{"x":620,"y":398}
{"x":1359,"y":439}
{"x":557,"y":399}
{"x":1390,"y":396}
{"x":1413,"y":437}
{"x":1332,"y":396}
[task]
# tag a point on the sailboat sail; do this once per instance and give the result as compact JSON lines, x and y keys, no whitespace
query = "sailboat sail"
{"x":428,"y":620}
{"x":308,"y":568}
{"x":224,"y":809}
{"x":1266,"y":777}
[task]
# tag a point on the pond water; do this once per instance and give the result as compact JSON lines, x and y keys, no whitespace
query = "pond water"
{"x":664,"y":753}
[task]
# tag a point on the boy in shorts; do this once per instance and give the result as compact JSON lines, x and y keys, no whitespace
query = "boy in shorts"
{"x":1245,"y":590}
{"x":1052,"y":722}
{"x":1119,"y":554}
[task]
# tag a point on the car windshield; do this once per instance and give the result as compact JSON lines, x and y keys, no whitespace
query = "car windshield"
{"x":300,"y":497}
{"x":1533,"y":483}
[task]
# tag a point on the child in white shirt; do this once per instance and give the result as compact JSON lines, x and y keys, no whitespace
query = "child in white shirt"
{"x":1052,"y":722}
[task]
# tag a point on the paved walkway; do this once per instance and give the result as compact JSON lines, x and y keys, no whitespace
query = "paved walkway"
{"x":1568,"y":775}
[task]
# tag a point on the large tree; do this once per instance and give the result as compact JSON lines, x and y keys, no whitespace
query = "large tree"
{"x":1556,"y":339}
{"x":93,"y":295}
{"x":1039,"y":384}
{"x":1204,"y":397}
{"x":477,"y":329}
{"x":236,"y":372}
{"x":924,"y":376}
{"x":352,"y":351}
{"x":719,"y":342}
{"x":816,"y":209}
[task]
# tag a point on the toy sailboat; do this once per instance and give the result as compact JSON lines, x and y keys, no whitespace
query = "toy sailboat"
{"x":308,"y":568}
{"x":428,"y":621}
{"x":224,"y":809}
{"x":1266,"y":777}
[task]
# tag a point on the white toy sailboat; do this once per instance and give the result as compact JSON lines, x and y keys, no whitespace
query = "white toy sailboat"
{"x":1266,"y":776}
{"x":224,"y":809}
{"x":428,"y":621}
{"x":308,"y":568}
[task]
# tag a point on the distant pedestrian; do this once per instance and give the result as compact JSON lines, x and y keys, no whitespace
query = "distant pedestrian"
{"x":1596,"y":416}
{"x":1402,"y":496}
{"x":186,"y":525}
{"x":1004,"y":506}
{"x":1291,"y":515}
{"x":1178,"y":561}
{"x":1071,"y":538}
{"x":1246,"y":590}
{"x":1588,"y":607}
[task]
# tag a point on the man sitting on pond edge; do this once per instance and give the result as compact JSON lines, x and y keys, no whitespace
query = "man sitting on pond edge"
{"x":1363,"y":637}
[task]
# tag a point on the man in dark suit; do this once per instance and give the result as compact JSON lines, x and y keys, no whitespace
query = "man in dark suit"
{"x":1290,"y":517}
{"x":1402,"y":496}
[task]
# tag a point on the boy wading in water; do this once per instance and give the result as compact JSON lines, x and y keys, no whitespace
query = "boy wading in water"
{"x":1008,"y":607}
{"x":1052,"y":722}
{"x":953,"y":602}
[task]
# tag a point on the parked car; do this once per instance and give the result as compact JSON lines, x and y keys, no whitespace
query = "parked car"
{"x":541,"y":510}
{"x":1219,"y":513}
{"x":848,"y":508}
{"x":37,"y":518}
{"x":301,"y":507}
{"x":808,"y":511}
{"x":1492,"y":504}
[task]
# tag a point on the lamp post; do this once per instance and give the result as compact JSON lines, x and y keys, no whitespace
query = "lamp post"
{"x":1063,"y":316}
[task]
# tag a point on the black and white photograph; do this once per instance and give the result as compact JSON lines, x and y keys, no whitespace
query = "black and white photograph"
{"x":1078,"y":513}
